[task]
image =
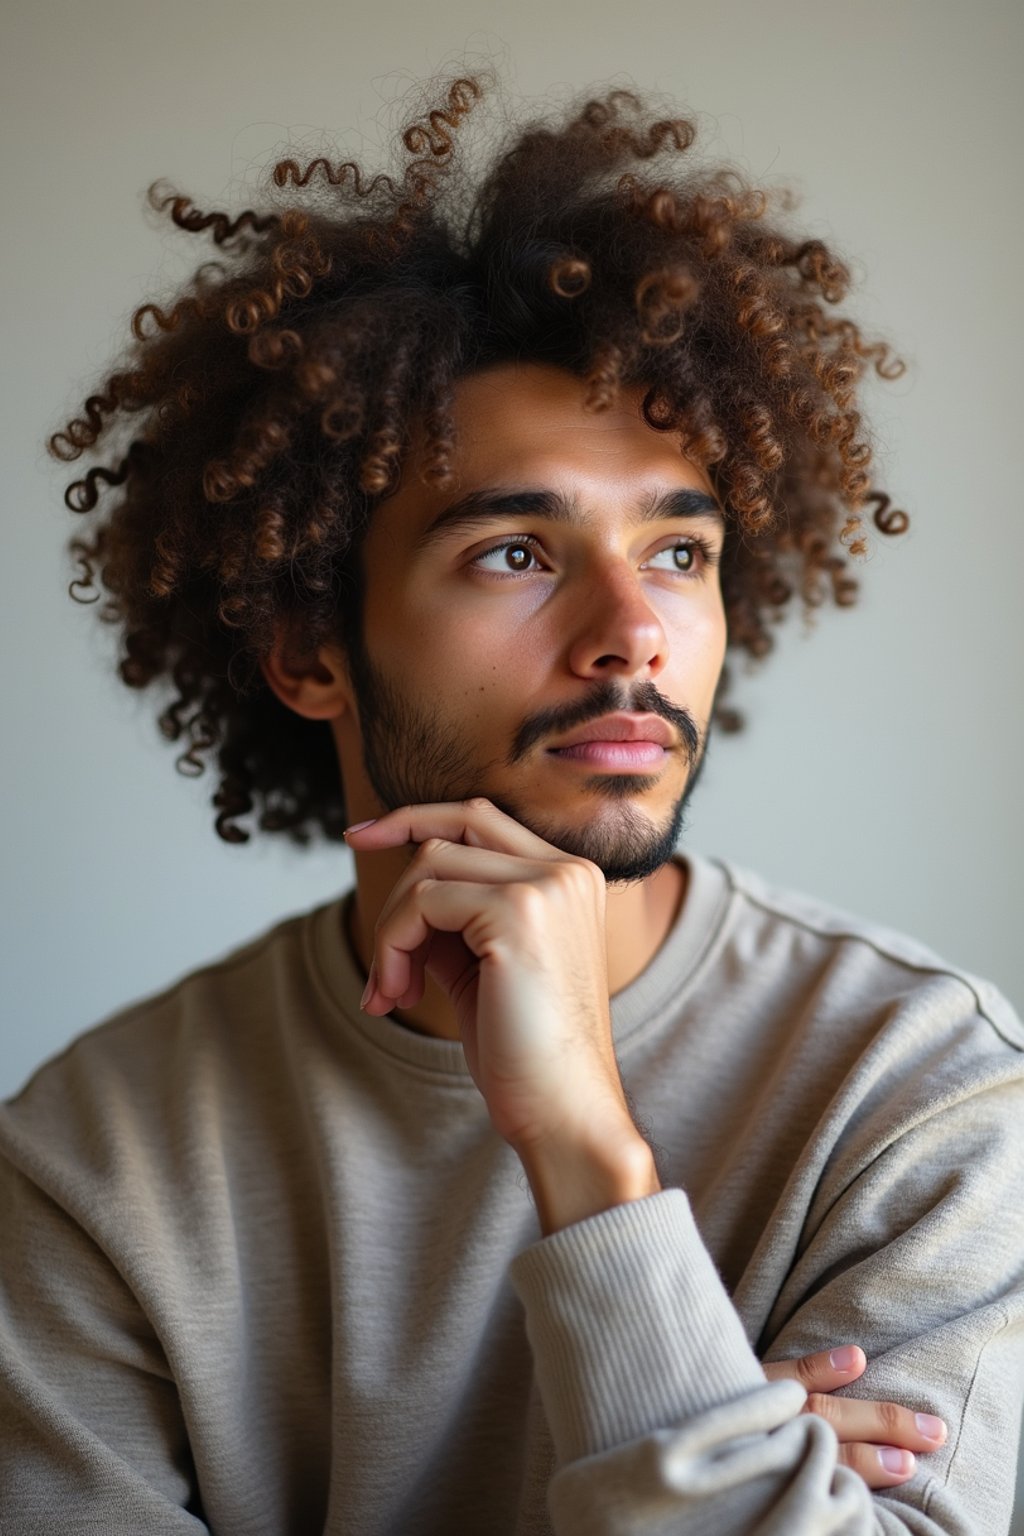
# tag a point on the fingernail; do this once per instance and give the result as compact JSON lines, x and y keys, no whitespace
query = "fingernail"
{"x":371,"y":979}
{"x":358,"y":826}
{"x":895,"y":1460}
{"x":843,"y":1359}
{"x":931,"y":1427}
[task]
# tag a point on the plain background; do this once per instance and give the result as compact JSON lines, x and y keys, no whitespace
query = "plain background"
{"x":881,"y":763}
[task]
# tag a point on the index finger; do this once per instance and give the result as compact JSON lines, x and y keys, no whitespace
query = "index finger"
{"x":477,"y":822}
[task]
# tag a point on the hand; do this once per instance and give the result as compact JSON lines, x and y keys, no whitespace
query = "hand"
{"x":876,"y":1439}
{"x":513,"y":931}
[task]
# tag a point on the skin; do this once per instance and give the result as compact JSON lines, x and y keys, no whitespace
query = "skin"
{"x":593,"y":632}
{"x":505,"y":893}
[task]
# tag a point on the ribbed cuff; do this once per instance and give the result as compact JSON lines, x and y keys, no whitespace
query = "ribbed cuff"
{"x":630,"y":1325}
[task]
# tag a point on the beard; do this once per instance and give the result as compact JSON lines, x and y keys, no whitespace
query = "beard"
{"x":412,"y":757}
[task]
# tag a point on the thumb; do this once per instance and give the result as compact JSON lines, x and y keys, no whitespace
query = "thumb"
{"x":822,"y":1372}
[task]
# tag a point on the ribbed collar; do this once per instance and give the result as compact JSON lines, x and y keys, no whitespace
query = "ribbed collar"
{"x":643,"y":1002}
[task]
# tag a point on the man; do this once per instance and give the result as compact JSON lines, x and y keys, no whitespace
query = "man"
{"x":532,"y":1183}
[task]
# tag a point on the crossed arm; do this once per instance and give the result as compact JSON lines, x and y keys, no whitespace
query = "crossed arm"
{"x":665,"y":1422}
{"x":447,"y":913}
{"x":698,"y":1440}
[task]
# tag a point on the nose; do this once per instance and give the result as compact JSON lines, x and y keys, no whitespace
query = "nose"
{"x":617,"y":631}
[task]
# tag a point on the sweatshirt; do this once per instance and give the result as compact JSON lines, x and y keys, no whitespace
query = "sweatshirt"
{"x":266,"y":1267}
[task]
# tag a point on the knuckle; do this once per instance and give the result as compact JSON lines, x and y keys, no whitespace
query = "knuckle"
{"x":526,"y":899}
{"x":566,"y":873}
{"x":821,"y":1404}
{"x":431,"y":845}
{"x":575,"y":878}
{"x":891,"y":1418}
{"x":806,"y":1371}
{"x":861,"y":1459}
{"x":478,"y":803}
{"x":586,"y":874}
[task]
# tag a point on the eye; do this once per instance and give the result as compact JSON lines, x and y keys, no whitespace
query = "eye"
{"x":516,"y":554}
{"x":690,"y":557}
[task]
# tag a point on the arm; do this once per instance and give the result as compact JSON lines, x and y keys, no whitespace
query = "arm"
{"x":91,"y":1433}
{"x":662,"y":1416}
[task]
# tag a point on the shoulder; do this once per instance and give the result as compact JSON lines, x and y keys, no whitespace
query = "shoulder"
{"x":858,"y":963}
{"x":219,"y":996}
{"x":172,"y":1077}
{"x":873,"y":1051}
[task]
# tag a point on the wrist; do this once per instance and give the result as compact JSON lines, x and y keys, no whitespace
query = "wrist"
{"x":575,"y":1178}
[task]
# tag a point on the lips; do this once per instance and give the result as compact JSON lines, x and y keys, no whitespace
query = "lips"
{"x":638,"y":728}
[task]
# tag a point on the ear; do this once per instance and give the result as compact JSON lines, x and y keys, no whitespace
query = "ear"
{"x":316,"y":686}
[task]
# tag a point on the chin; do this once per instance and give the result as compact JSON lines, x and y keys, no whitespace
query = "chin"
{"x":626,"y":845}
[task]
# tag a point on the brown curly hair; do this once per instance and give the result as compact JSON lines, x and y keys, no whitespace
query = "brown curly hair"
{"x":275,"y":401}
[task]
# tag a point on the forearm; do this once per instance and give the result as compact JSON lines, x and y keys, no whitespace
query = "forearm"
{"x":661,"y":1415}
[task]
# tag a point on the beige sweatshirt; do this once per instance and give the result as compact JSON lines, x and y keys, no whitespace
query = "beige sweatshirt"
{"x":267,"y":1268}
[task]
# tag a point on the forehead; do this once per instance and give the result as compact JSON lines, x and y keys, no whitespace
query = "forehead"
{"x":520,"y":407}
{"x":524,"y":426}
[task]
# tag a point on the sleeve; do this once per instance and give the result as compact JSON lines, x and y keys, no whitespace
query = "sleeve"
{"x":663,"y":1421}
{"x":91,"y":1433}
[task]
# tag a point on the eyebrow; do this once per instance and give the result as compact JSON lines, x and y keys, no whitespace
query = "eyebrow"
{"x":479,"y":506}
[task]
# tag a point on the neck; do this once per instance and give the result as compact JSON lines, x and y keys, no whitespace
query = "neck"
{"x":637,"y":921}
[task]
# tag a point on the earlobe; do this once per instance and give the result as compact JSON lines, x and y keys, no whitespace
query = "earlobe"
{"x":316,"y":687}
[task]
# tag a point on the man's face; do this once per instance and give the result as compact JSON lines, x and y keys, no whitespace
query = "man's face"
{"x":491,"y":637}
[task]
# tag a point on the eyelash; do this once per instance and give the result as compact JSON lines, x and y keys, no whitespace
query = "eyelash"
{"x":708,"y":558}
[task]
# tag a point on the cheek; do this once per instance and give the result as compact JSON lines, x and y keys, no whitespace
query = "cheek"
{"x":457,"y":660}
{"x":698,"y":632}
{"x":448,"y":626}
{"x":441,"y":645}
{"x":697,"y":644}
{"x":718,"y":636}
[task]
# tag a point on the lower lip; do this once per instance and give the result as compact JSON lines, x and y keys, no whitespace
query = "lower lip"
{"x":614,"y":754}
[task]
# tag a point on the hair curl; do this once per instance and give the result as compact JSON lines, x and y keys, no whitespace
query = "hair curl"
{"x":274,"y":401}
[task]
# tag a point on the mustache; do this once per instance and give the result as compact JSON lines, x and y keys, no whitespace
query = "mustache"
{"x":607,"y":699}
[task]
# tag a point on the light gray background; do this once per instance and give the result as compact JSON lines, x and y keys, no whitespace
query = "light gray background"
{"x":881,"y":764}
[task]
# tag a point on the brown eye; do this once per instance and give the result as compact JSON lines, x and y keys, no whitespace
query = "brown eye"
{"x":518,"y":556}
{"x":690,"y":557}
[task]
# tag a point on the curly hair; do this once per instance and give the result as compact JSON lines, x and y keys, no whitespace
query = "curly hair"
{"x":274,"y":402}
